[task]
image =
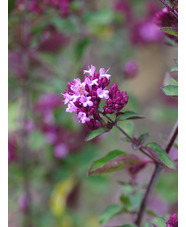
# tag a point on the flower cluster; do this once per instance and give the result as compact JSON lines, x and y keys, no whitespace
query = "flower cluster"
{"x":165,"y":19}
{"x":84,"y":97}
{"x":173,"y":221}
{"x":116,"y":101}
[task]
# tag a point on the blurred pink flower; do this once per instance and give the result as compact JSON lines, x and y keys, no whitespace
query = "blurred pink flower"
{"x":61,"y":151}
{"x":130,"y":68}
{"x":173,"y":221}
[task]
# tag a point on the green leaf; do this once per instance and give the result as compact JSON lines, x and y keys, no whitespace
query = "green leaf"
{"x":151,"y":213}
{"x":170,"y":31}
{"x":148,"y":224}
{"x":169,"y":80}
{"x":171,"y":90}
{"x":160,"y":222}
{"x":113,"y":161}
{"x":80,"y":47}
{"x":36,"y":140}
{"x":94,"y":133}
{"x":174,"y":69}
{"x":102,"y":17}
{"x":128,"y":115}
{"x":135,"y":199}
{"x":162,"y":155}
{"x":129,"y":129}
{"x":109,"y":213}
{"x":126,"y":201}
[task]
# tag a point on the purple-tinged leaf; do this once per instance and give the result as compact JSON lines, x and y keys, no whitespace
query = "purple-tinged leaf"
{"x":170,"y":31}
{"x":142,"y":138}
{"x":113,"y":161}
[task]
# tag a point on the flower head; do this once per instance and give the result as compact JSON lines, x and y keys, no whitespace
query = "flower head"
{"x":164,"y":18}
{"x":173,"y":221}
{"x":84,"y":97}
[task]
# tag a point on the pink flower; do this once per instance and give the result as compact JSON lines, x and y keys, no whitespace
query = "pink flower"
{"x":91,"y":70}
{"x":71,"y":107}
{"x":67,"y":97}
{"x":82,"y":117}
{"x":90,"y":82}
{"x":86,"y":101}
{"x":130,"y":68}
{"x":103,"y":74}
{"x":103,"y":93}
{"x":85,"y":97}
{"x":61,"y":151}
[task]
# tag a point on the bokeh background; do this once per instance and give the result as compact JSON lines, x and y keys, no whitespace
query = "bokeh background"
{"x":50,"y":43}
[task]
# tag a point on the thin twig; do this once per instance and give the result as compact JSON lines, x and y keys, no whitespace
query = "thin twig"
{"x":134,"y":142}
{"x":155,"y":176}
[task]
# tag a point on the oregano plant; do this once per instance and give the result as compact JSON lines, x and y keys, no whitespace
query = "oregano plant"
{"x":100,"y":105}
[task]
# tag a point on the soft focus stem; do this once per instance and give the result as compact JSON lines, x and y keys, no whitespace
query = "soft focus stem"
{"x":134,"y":141}
{"x":155,"y":176}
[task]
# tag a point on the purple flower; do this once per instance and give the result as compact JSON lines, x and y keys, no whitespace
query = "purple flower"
{"x":29,"y":125}
{"x":86,"y":101}
{"x":117,"y":100}
{"x":82,"y":117}
{"x":23,"y":203}
{"x":91,"y":70}
{"x":51,"y":40}
{"x":130,"y":68}
{"x":47,"y":101}
{"x":173,"y":221}
{"x":103,"y":74}
{"x":71,"y":107}
{"x":61,"y":151}
{"x":85,"y":97}
{"x":102,"y":93}
{"x":144,"y":32}
{"x":164,"y":18}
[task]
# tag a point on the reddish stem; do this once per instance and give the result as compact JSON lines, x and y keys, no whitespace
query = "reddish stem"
{"x":155,"y":176}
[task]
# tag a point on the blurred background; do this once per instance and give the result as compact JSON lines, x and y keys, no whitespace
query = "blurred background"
{"x":50,"y":43}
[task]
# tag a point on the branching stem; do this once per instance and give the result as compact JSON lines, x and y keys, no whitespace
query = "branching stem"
{"x":155,"y":176}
